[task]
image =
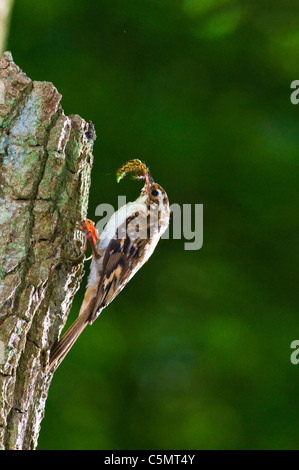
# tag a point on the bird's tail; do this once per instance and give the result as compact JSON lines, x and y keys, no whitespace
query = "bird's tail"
{"x":66,"y":342}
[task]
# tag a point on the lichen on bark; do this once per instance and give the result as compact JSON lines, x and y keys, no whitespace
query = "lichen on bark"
{"x":45,"y":165}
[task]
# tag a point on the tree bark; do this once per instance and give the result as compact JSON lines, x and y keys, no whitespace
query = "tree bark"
{"x":45,"y":166}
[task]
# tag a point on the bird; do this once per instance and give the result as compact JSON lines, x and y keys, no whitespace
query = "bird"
{"x":124,"y":246}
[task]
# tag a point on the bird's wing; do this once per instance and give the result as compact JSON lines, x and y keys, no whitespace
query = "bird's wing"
{"x":122,"y":258}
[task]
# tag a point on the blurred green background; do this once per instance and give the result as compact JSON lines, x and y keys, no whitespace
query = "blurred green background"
{"x":195,"y":352}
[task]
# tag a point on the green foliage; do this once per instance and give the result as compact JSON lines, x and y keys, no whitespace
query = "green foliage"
{"x":195,"y":352}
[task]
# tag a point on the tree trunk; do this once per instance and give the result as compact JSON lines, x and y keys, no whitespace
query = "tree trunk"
{"x":45,"y":165}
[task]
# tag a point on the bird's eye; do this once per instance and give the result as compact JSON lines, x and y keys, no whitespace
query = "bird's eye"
{"x":154,"y":192}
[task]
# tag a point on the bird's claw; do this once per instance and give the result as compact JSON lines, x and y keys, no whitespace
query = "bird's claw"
{"x":90,"y":232}
{"x":81,"y":225}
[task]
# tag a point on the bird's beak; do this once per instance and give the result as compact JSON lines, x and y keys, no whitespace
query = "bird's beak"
{"x":148,"y":179}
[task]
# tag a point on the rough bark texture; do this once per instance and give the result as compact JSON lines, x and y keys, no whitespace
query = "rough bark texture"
{"x":45,"y":165}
